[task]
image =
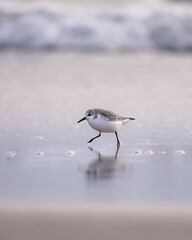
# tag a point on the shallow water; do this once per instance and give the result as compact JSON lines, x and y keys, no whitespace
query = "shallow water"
{"x":44,"y":157}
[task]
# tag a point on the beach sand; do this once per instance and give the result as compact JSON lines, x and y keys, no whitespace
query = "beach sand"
{"x":93,"y":222}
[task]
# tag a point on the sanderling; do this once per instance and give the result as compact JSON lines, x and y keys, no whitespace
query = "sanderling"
{"x":105,"y":121}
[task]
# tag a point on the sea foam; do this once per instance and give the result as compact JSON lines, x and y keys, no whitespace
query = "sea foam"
{"x":96,"y":28}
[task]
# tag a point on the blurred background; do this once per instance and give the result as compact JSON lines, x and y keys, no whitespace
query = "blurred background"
{"x":96,"y":26}
{"x":57,"y":60}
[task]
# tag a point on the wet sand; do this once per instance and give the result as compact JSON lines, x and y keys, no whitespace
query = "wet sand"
{"x":44,"y":157}
{"x":44,"y":151}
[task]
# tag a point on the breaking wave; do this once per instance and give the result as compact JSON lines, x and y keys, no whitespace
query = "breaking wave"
{"x":103,"y":28}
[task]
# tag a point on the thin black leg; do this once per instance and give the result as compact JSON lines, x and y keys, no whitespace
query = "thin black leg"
{"x":118,"y":143}
{"x":94,"y":138}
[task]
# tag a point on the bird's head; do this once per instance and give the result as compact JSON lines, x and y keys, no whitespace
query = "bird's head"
{"x":88,"y":115}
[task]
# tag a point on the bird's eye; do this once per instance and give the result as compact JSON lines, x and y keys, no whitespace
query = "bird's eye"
{"x":89,"y":114}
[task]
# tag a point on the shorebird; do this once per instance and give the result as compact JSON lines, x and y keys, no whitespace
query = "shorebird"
{"x":105,"y":121}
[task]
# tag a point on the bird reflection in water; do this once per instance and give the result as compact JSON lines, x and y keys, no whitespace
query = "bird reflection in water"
{"x":104,"y":166}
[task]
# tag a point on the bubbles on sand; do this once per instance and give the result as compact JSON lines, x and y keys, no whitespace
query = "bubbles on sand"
{"x":162,"y":152}
{"x":40,"y":153}
{"x":149,"y":152}
{"x":39,"y":137}
{"x":137,"y":152}
{"x":179,"y":152}
{"x":188,"y":135}
{"x":70,"y":153}
{"x":10,"y":154}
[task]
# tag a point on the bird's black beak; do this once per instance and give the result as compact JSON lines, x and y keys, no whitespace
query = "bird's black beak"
{"x":82,"y":120}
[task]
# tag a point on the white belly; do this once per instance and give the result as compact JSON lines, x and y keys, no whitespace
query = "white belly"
{"x":101,"y":125}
